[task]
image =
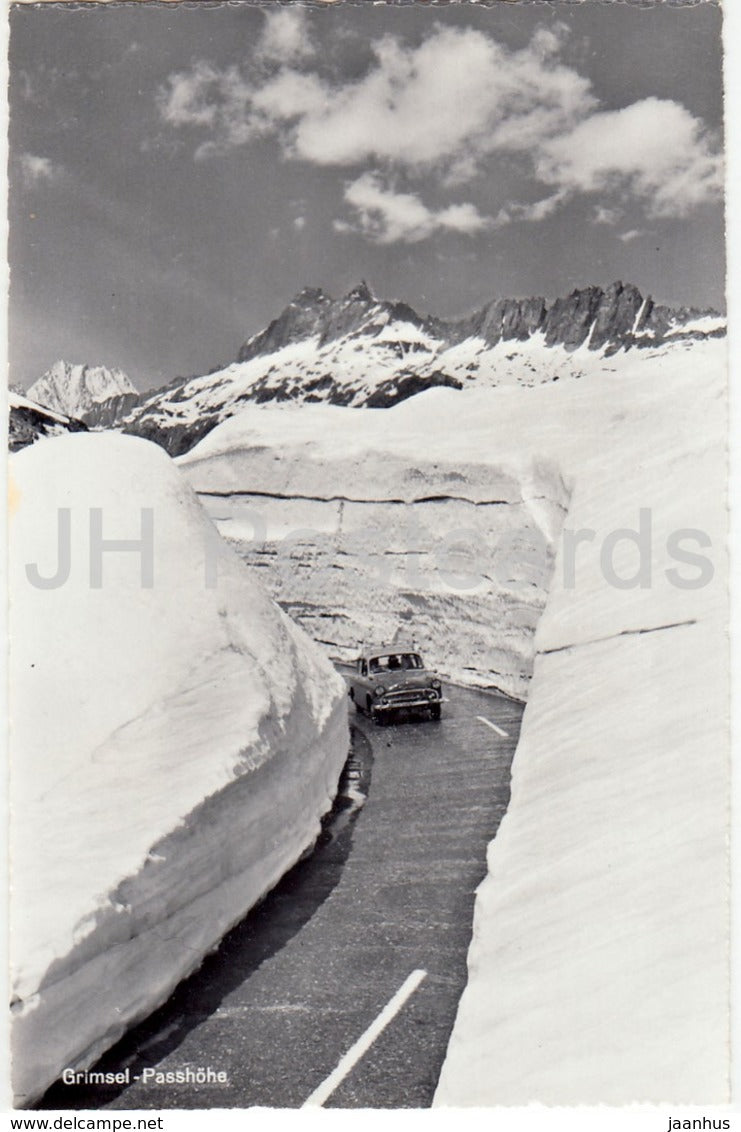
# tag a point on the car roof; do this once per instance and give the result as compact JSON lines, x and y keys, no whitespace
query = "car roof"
{"x":386,"y":650}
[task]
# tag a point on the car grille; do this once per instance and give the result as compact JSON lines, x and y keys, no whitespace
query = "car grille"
{"x":407,"y":696}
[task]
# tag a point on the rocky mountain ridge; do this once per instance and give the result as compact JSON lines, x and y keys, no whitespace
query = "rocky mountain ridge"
{"x":363,"y":351}
{"x":615,"y":317}
{"x":367,"y":352}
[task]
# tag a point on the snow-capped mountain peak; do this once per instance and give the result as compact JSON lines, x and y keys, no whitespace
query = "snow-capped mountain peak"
{"x":312,"y":313}
{"x":73,"y":389}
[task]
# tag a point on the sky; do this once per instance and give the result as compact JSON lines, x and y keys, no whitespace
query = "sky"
{"x":177,"y":174}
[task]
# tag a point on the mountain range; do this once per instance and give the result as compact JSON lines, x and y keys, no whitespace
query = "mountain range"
{"x":362,"y":351}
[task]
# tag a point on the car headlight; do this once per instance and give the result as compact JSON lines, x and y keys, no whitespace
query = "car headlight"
{"x":380,"y":690}
{"x":436,"y":685}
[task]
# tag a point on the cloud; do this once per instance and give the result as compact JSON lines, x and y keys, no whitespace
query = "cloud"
{"x":237,"y":107}
{"x":386,"y":216}
{"x":633,"y":234}
{"x":535,"y":212}
{"x":447,"y":104}
{"x":654,"y":150}
{"x":35,"y":169}
{"x":290,"y":96}
{"x":464,"y":218}
{"x":299,"y":223}
{"x":285,"y":36}
{"x":604,"y":215}
{"x":442,"y":113}
{"x":219,"y":100}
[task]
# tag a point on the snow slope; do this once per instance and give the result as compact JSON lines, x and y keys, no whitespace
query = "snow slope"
{"x":174,"y":747}
{"x":599,"y":963}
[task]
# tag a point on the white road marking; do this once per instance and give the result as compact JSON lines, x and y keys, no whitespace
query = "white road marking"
{"x":365,"y":1041}
{"x":499,"y":730}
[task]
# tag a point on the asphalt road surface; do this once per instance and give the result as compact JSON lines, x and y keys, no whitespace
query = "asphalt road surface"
{"x":386,"y":896}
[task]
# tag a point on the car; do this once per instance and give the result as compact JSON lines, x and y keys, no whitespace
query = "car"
{"x":390,"y":678}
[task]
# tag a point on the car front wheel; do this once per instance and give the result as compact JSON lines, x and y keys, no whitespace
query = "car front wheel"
{"x":378,"y":717}
{"x":435,"y":711}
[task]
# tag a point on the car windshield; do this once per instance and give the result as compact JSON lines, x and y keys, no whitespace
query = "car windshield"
{"x":396,"y":661}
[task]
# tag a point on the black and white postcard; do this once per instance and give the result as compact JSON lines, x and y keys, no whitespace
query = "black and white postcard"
{"x":368,"y":523}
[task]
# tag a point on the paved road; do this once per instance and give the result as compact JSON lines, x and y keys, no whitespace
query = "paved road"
{"x":388,"y":891}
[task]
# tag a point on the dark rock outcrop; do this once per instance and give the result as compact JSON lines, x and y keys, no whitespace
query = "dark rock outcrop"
{"x":176,"y":438}
{"x":106,"y":414}
{"x":510,"y":319}
{"x":398,"y":389}
{"x":569,"y":320}
{"x":615,"y":316}
{"x":659,"y":319}
{"x":301,"y":319}
{"x":28,"y":423}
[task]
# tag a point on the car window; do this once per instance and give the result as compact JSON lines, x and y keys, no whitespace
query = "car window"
{"x":395,"y":662}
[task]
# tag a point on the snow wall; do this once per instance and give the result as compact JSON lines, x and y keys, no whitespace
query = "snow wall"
{"x":599,"y":960}
{"x":599,"y":965}
{"x":175,"y":743}
{"x":456,"y":555}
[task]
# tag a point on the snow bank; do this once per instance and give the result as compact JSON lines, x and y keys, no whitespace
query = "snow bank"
{"x":174,"y":746}
{"x":598,"y":968}
{"x":447,"y":554}
{"x":599,"y":962}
